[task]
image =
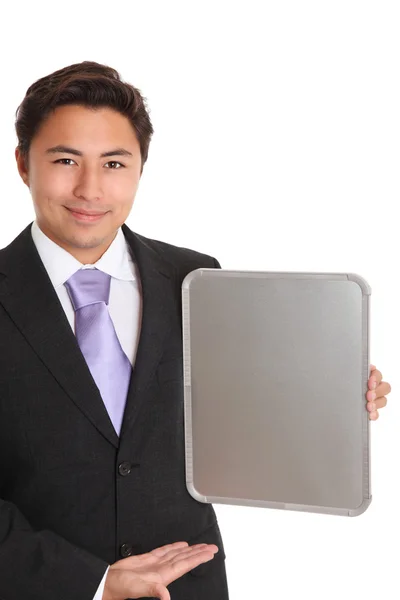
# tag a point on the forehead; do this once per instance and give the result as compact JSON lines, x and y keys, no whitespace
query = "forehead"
{"x":86,"y":128}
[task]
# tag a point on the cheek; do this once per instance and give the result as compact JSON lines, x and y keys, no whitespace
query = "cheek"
{"x":122,"y":185}
{"x":120,"y":193}
{"x":50,"y":187}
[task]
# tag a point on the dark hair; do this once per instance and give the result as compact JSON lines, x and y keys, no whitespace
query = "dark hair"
{"x":86,"y":84}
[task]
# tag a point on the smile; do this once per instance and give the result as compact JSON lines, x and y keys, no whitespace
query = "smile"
{"x":88,"y":218}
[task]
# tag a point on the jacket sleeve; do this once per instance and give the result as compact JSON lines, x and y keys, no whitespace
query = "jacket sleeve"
{"x":217,"y":265}
{"x":40,"y":565}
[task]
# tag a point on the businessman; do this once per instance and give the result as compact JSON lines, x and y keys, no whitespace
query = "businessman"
{"x":93,"y":496}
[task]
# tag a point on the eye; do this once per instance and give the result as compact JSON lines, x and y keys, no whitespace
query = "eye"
{"x":61,"y":159}
{"x":114,"y":162}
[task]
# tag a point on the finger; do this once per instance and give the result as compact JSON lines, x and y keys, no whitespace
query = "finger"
{"x":381,"y":402}
{"x":158,"y":590}
{"x":378,"y":375}
{"x":150,"y":558}
{"x":376,"y":404}
{"x":374,"y":379}
{"x":383,"y":389}
{"x":163,"y":550}
{"x":140,"y":588}
{"x":162,"y":555}
{"x":122,"y":583}
{"x":374,"y":416}
{"x":194,"y":551}
{"x":372,"y":368}
{"x":183,"y":553}
{"x":179,"y":567}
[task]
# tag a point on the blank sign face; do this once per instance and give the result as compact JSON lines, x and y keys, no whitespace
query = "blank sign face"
{"x":276,"y":368}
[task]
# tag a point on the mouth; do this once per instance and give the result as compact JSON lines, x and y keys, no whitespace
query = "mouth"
{"x":86,"y":216}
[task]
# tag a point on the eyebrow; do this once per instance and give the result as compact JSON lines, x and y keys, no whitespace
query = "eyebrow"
{"x":68,"y":150}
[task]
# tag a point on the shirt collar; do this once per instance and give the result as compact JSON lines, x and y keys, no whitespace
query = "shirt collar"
{"x":61,"y":265}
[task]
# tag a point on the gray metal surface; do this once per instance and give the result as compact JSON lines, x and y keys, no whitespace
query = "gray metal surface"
{"x":275,"y":372}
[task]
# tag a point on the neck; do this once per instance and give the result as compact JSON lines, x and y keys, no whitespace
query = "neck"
{"x":87,"y":255}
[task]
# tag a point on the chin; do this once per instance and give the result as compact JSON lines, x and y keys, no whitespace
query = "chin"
{"x":87,"y":241}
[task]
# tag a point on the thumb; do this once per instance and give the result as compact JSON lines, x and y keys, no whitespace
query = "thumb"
{"x":140,"y":588}
{"x":121,"y":583}
{"x":158,"y":590}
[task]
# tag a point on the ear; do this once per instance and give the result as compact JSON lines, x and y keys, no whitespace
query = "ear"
{"x":21,"y":165}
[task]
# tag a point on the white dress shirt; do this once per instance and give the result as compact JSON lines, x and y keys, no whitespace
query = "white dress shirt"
{"x":125,"y":304}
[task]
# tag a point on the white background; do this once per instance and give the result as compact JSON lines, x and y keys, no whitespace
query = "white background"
{"x":276,"y":147}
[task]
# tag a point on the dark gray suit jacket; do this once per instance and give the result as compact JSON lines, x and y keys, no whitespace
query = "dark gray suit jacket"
{"x":74,"y":496}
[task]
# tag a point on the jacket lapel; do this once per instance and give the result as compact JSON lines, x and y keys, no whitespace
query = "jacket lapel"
{"x":29,"y":298}
{"x":158,"y":283}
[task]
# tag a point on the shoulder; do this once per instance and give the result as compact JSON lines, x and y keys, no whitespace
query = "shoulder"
{"x":182,"y":259}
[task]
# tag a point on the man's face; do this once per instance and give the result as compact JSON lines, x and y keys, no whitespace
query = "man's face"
{"x":81,"y":200}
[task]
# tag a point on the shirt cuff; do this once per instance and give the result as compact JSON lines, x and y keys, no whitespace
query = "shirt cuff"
{"x":99,"y":594}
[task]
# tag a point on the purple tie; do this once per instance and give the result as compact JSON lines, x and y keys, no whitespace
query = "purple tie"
{"x":89,"y":290}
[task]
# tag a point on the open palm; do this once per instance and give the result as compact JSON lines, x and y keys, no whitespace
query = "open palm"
{"x":147,"y":575}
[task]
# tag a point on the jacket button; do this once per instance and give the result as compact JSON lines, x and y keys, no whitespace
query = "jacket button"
{"x":126,"y":550}
{"x":124,"y":468}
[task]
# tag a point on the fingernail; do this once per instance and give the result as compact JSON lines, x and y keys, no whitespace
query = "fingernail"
{"x":373,"y":407}
{"x":373,"y":383}
{"x":373,"y":396}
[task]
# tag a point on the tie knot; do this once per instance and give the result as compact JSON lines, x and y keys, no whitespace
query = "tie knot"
{"x":88,"y":286}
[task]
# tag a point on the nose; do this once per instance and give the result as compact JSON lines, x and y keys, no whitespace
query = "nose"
{"x":88,"y":185}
